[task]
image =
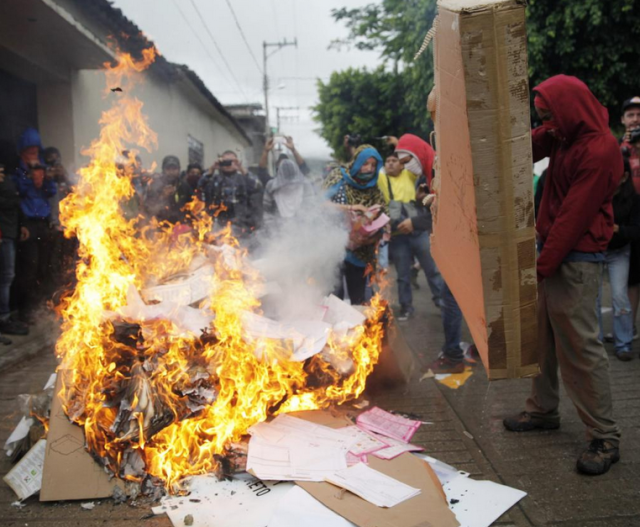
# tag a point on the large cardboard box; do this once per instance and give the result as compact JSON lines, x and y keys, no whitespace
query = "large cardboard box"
{"x":484,"y":238}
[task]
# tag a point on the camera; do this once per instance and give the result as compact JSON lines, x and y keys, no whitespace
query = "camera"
{"x":225,"y":162}
{"x":634,"y":136}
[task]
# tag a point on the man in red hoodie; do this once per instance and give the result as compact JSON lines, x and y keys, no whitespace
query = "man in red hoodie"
{"x":575,"y":224}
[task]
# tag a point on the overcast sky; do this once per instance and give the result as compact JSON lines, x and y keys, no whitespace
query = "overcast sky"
{"x":179,"y":34}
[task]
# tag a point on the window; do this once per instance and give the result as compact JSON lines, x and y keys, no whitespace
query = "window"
{"x":196,"y":151}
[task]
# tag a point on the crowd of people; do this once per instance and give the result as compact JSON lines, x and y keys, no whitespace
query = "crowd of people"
{"x":588,"y":220}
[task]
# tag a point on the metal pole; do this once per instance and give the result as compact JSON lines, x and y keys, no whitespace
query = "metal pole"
{"x":265,"y":86}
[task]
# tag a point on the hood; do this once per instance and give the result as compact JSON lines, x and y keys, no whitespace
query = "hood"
{"x":30,"y":137}
{"x":350,"y":173}
{"x":576,"y":111}
{"x":421,"y":149}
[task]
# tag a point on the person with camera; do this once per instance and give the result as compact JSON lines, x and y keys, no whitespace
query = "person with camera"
{"x":35,"y":185}
{"x":410,"y":221}
{"x":233,"y":194}
{"x":630,"y":147}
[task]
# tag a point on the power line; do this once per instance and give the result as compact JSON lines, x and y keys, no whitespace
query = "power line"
{"x":206,"y":27}
{"x":244,"y":37}
{"x":204,"y":47}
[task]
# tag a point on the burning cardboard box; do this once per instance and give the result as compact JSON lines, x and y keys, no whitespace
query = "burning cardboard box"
{"x":484,"y":237}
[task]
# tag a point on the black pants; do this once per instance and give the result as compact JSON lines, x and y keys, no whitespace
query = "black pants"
{"x":33,"y":269}
{"x":356,"y":283}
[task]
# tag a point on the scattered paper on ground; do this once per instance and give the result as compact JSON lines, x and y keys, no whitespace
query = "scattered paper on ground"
{"x":373,"y":486}
{"x":454,"y":380}
{"x":396,"y":448}
{"x":289,"y":448}
{"x":25,"y":478}
{"x":297,"y":508}
{"x":363,"y":442}
{"x":242,"y":502}
{"x":387,"y":424}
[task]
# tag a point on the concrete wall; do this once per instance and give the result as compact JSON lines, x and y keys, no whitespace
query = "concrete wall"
{"x":175,"y":110}
{"x":55,"y":119}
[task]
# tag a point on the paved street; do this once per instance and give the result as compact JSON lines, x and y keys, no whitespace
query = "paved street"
{"x":540,"y":463}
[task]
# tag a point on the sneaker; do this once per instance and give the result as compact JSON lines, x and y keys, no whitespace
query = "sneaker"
{"x":624,"y":356}
{"x":444,"y":365}
{"x":598,"y":458}
{"x":608,"y":338}
{"x":13,"y":327}
{"x":405,"y":314}
{"x":525,"y":422}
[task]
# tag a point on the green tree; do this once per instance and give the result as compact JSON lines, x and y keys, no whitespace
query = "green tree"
{"x":358,"y":101}
{"x":595,"y":40}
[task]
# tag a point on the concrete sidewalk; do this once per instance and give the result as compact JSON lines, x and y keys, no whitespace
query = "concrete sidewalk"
{"x":540,"y":463}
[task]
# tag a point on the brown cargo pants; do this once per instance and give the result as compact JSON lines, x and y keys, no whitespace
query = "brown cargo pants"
{"x":568,"y":337}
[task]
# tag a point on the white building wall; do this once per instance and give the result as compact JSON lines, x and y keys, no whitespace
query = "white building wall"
{"x":174,"y":110}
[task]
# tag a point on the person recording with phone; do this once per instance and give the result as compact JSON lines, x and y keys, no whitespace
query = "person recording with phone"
{"x":233,"y":195}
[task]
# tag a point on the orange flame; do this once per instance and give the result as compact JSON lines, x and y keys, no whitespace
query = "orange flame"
{"x":159,"y":363}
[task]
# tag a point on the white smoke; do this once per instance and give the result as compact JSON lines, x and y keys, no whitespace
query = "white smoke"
{"x":303,"y":257}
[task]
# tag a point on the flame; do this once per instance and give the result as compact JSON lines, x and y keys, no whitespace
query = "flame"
{"x":159,"y":363}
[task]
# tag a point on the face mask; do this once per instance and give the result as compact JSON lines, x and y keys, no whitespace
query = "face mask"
{"x":365,"y":176}
{"x":414,"y":167}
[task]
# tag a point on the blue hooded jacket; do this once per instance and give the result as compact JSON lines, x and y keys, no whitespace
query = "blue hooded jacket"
{"x":34,"y":202}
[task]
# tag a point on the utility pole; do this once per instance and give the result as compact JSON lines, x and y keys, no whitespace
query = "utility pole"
{"x":265,"y":56}
{"x":285,"y":108}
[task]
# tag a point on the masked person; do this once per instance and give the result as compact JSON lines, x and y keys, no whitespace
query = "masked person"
{"x":35,"y":187}
{"x":354,"y":189}
{"x":234,"y":194}
{"x":574,"y":226}
{"x":161,"y":199}
{"x":286,"y":194}
{"x":411,"y":223}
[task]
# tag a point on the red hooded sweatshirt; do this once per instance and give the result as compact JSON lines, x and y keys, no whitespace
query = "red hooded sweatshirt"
{"x":422,"y":150}
{"x":585,"y":167}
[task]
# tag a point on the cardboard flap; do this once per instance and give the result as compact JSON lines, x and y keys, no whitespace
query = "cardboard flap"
{"x":70,"y":473}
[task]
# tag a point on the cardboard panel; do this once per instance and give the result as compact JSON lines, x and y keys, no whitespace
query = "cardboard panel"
{"x":70,"y":473}
{"x":484,"y":238}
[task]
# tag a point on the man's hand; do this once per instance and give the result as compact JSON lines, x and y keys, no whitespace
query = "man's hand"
{"x":288,"y":142}
{"x":616,"y":228}
{"x":358,"y":208}
{"x":406,"y":227}
{"x":2,"y":174}
{"x":240,"y":168}
{"x":392,"y":140}
{"x":24,"y":234}
{"x":268,"y":146}
{"x":422,"y":192}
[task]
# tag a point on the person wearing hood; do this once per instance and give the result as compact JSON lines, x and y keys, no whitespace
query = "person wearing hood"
{"x":574,"y":226}
{"x":286,"y":194}
{"x":354,"y":189}
{"x":35,"y":187}
{"x":263,"y":172}
{"x":411,"y":165}
{"x":188,"y":185}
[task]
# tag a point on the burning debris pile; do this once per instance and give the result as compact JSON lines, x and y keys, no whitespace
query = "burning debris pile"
{"x":166,"y":357}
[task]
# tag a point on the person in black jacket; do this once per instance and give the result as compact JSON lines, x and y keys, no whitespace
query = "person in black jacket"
{"x":11,"y":233}
{"x":626,"y":210}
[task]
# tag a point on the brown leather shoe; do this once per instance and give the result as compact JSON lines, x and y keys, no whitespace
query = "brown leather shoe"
{"x":525,"y":422}
{"x":598,"y":458}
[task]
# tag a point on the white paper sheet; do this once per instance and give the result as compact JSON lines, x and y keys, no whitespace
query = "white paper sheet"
{"x":193,"y":288}
{"x":339,"y":312}
{"x":298,"y":508}
{"x":395,"y":448}
{"x":363,"y":442}
{"x":241,"y":502}
{"x":373,"y":486}
{"x":25,"y":478}
{"x":19,"y":432}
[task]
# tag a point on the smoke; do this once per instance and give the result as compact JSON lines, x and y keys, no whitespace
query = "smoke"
{"x":302,"y":256}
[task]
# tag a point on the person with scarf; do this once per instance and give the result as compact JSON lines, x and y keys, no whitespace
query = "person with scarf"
{"x":286,"y":194}
{"x":354,"y":189}
{"x":574,"y":226}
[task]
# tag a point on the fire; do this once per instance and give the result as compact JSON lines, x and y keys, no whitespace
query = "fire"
{"x":108,"y":356}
